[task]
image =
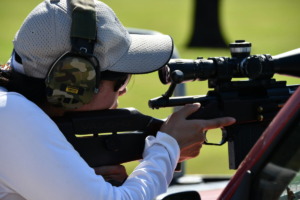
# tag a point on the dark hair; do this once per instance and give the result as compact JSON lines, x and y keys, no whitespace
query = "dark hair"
{"x":5,"y":73}
{"x":32,"y":88}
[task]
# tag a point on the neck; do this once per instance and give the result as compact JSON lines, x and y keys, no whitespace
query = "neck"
{"x":52,"y":111}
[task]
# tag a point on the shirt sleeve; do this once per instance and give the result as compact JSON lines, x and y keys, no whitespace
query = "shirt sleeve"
{"x":37,"y":162}
{"x":155,"y":171}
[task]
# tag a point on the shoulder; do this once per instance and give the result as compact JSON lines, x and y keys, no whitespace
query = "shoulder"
{"x":11,"y":102}
{"x":22,"y":118}
{"x":16,"y":109}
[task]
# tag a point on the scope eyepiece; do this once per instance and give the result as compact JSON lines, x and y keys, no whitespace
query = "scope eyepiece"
{"x":190,"y":70}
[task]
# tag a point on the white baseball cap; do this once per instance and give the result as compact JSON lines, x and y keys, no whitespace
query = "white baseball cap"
{"x":45,"y":36}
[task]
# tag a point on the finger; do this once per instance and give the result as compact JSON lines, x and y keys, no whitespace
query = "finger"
{"x":120,"y":177}
{"x":218,"y":122}
{"x":188,"y":109}
{"x":109,"y":169}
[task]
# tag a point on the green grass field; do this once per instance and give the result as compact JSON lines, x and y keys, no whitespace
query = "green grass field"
{"x":271,"y":26}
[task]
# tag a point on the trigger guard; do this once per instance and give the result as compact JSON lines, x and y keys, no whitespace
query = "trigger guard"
{"x":223,"y":140}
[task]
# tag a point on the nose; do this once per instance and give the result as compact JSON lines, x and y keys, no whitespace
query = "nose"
{"x":122,"y":92}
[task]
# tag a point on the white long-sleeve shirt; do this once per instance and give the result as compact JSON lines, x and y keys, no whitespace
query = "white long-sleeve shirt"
{"x":38,"y":163}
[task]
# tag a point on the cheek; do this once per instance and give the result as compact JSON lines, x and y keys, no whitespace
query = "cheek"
{"x":112,"y":101}
{"x":106,"y":101}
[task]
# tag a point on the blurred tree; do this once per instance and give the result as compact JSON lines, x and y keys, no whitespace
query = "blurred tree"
{"x":206,"y":28}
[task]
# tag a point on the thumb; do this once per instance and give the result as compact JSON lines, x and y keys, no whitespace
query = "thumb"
{"x":189,"y":109}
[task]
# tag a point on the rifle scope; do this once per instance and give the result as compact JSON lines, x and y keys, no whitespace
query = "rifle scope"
{"x":240,"y":65}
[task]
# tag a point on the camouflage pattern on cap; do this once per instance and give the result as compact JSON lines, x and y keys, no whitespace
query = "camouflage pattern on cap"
{"x":71,"y":82}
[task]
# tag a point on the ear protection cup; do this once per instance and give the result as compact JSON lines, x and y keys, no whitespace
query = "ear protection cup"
{"x":74,"y":78}
{"x":71,"y":81}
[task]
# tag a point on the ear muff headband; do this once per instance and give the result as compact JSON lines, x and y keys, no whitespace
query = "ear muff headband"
{"x":74,"y":78}
{"x":83,"y":19}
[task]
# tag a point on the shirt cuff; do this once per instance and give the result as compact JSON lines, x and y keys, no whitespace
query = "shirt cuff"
{"x":168,"y":142}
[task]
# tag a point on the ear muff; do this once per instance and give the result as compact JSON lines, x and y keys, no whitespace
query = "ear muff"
{"x":74,"y":78}
{"x":71,"y":82}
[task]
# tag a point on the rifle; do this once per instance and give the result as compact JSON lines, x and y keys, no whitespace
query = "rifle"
{"x":253,"y":102}
{"x":117,"y":136}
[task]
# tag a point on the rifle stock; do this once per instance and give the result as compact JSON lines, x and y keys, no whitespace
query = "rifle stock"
{"x":108,"y":137}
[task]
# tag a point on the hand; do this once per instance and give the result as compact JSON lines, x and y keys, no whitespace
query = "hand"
{"x":190,"y":133}
{"x":112,"y":173}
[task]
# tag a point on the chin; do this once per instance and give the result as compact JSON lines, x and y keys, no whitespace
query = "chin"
{"x":114,"y":106}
